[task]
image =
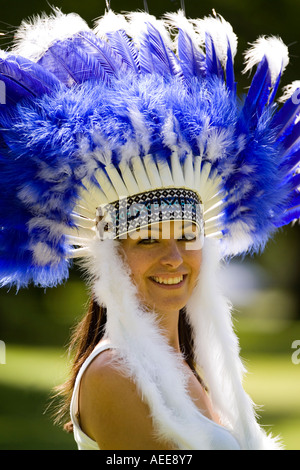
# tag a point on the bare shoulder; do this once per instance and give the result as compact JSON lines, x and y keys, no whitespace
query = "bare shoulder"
{"x":112,"y":411}
{"x":104,"y":370}
{"x":104,"y":383}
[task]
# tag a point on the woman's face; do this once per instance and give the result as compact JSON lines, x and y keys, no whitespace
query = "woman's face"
{"x":165,"y":262}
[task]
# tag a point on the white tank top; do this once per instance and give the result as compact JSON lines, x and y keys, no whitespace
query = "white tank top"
{"x":222,"y":438}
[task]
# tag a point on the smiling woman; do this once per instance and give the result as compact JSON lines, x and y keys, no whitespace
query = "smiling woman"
{"x":128,"y":147}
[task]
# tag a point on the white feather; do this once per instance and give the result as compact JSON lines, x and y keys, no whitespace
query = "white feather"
{"x":217,"y":142}
{"x":108,"y":23}
{"x":165,"y":174}
{"x":117,"y":181}
{"x":152,"y":172}
{"x":91,"y":196}
{"x":221,"y":33}
{"x":128,"y":178}
{"x":177,"y":173}
{"x":274,"y":49}
{"x":188,"y":170}
{"x":43,"y":254}
{"x":137,"y":25}
{"x":140,"y":174}
{"x":79,"y":252}
{"x":142,"y":131}
{"x":175,"y":21}
{"x":84,"y":211}
{"x":3,"y":54}
{"x":36,"y":35}
{"x":106,"y":186}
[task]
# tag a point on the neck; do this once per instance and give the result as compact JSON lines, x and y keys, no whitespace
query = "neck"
{"x":169,"y":326}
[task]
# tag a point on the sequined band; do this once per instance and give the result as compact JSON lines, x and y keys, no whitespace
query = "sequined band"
{"x":129,"y":214}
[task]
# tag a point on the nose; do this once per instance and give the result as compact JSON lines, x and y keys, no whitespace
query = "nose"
{"x":172,"y":256}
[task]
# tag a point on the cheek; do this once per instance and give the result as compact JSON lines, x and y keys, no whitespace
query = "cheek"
{"x":136,"y":263}
{"x":195,"y":261}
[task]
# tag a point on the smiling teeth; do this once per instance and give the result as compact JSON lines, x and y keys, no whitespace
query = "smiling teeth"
{"x":173,"y":280}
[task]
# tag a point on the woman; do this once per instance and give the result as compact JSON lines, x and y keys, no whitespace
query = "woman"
{"x":163,"y":262}
{"x":165,"y":271}
{"x":146,"y":164}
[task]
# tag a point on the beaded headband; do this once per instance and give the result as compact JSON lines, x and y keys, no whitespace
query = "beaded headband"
{"x":131,"y":214}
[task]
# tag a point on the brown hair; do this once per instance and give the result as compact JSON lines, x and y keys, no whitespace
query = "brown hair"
{"x":87,"y":335}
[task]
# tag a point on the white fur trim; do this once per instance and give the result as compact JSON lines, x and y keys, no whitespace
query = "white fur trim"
{"x":217,"y":353}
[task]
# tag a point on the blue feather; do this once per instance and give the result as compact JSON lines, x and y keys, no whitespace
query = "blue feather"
{"x":191,"y":60}
{"x":24,"y":78}
{"x":230,"y":80}
{"x":14,"y":91}
{"x":213,"y":64}
{"x":295,"y":181}
{"x":125,"y":47}
{"x":70,"y":65}
{"x":258,"y":93}
{"x":81,"y":58}
{"x":155,"y":56}
{"x":288,"y":216}
{"x":290,"y":162}
{"x":291,"y":141}
{"x":284,"y":119}
{"x":291,"y":212}
{"x":102,"y":52}
{"x":294,"y":204}
{"x":275,"y":88}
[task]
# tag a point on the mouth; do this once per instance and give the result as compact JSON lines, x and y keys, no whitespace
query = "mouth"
{"x":175,"y":281}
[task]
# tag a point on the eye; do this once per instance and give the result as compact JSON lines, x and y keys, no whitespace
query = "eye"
{"x":188,"y":237}
{"x":147,"y":241}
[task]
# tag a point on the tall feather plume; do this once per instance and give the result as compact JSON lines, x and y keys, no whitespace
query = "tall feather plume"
{"x":155,"y":56}
{"x":221,"y":34}
{"x":186,"y":41}
{"x":114,"y":28}
{"x":123,"y":46}
{"x":192,"y":60}
{"x":176,"y":22}
{"x":259,"y":92}
{"x":275,"y":51}
{"x":137,"y":27}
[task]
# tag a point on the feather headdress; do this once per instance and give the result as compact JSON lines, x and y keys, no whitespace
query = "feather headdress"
{"x":135,"y":105}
